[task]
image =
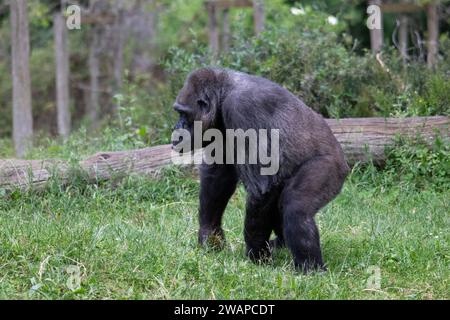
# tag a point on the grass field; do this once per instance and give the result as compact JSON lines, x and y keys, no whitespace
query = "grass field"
{"x":137,"y":240}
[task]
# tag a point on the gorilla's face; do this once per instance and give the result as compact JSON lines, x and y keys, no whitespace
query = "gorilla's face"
{"x":185,"y":121}
{"x":190,"y":107}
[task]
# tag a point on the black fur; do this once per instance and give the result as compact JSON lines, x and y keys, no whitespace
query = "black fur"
{"x":312,"y":165}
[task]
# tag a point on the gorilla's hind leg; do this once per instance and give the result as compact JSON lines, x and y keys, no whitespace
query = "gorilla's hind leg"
{"x":258,"y":225}
{"x":315,"y":184}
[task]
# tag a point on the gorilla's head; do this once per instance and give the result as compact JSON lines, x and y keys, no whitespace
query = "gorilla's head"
{"x":199,"y":100}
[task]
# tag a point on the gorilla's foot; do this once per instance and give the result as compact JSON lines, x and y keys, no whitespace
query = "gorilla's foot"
{"x":214,"y":239}
{"x":308,"y":267}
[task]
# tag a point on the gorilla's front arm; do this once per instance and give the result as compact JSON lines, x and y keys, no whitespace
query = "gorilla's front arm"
{"x":217,"y":185}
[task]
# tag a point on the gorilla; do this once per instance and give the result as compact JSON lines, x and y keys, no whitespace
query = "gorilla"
{"x":312,"y":168}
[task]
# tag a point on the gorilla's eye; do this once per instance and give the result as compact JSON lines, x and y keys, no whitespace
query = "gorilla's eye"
{"x":202,"y":104}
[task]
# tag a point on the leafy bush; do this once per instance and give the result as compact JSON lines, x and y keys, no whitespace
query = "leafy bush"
{"x":419,"y":164}
{"x":435,"y":98}
{"x":319,"y":63}
{"x":411,"y":165}
{"x":6,"y":148}
{"x":143,"y":118}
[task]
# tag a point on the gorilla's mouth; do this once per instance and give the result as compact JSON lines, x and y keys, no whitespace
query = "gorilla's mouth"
{"x":176,"y":143}
{"x":182,"y":148}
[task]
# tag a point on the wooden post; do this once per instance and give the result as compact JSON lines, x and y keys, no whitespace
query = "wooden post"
{"x":119,"y":52}
{"x":226,"y":30}
{"x":258,"y":14}
{"x":376,"y":35}
{"x":143,"y":31}
{"x":433,"y":33}
{"x":213,"y":29}
{"x":20,"y":56}
{"x":62,"y":75}
{"x":403,"y":37}
{"x":94,"y":71}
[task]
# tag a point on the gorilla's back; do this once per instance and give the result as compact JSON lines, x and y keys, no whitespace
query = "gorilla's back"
{"x":259,"y":103}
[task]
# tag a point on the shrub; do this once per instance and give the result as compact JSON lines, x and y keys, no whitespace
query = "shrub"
{"x":318,"y":63}
{"x":419,"y":164}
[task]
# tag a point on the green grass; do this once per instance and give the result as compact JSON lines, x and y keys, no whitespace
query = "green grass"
{"x":137,"y":240}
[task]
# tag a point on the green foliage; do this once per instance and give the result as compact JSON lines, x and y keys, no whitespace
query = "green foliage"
{"x":419,"y":165}
{"x":180,"y":23}
{"x":412,"y":165}
{"x":143,"y":118}
{"x":436,"y":96}
{"x":5,"y":102}
{"x":6,"y":148}
{"x":324,"y":63}
{"x":318,"y":62}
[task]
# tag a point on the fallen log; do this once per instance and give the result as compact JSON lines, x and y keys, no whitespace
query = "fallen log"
{"x":361,"y":139}
{"x":366,"y":138}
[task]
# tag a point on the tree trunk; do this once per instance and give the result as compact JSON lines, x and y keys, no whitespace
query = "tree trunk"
{"x":213,"y":31}
{"x":226,"y":30}
{"x":258,"y":15}
{"x":403,"y":37}
{"x":433,"y":33}
{"x":361,"y":139}
{"x":94,"y":74}
{"x":20,"y":52}
{"x":143,"y":25}
{"x":119,"y":52}
{"x":376,"y":34}
{"x":62,"y":76}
